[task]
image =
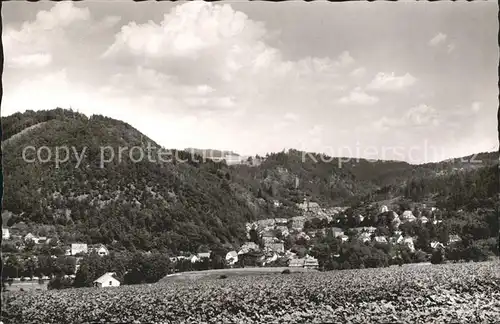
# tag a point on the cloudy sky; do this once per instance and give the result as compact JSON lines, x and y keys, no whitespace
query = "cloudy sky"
{"x":408,"y":81}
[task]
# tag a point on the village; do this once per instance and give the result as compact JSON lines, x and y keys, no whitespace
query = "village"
{"x":274,"y":231}
{"x":266,"y":245}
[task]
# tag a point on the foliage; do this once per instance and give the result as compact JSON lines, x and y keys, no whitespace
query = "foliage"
{"x":437,"y":257}
{"x":60,"y":282}
{"x":436,"y":293}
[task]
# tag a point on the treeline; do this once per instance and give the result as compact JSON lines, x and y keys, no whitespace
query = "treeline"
{"x":17,"y":122}
{"x":130,"y":268}
{"x":468,"y":189}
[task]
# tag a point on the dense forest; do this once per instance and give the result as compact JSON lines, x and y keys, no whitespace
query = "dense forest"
{"x":176,"y":206}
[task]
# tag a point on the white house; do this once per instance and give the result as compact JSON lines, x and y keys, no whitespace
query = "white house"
{"x":311,"y":262}
{"x":380,"y":239}
{"x":397,"y":238}
{"x":266,"y":223}
{"x":336,"y":231}
{"x":369,"y":229}
{"x":277,"y":203}
{"x":408,"y":216}
{"x":269,"y":259}
{"x":360,"y":218}
{"x":231,"y":257}
{"x":423,"y":219}
{"x":454,"y":238}
{"x":437,"y":245}
{"x":30,"y":237}
{"x":204,"y":255}
{"x":283,"y":230}
{"x":247,"y":247}
{"x":364,"y":237}
{"x":275,"y":247}
{"x":78,"y":248}
{"x":42,"y":240}
{"x":281,"y":221}
{"x":344,"y":238}
{"x":107,"y":280}
{"x":100,"y":249}
{"x":298,"y":222}
{"x":296,"y":263}
{"x":5,"y":233}
{"x":408,"y":241}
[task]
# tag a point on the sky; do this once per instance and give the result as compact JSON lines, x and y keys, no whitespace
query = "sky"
{"x":389,"y":80}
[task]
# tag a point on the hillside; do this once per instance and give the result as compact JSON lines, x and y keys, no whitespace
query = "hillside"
{"x":182,"y":206}
{"x":141,"y":205}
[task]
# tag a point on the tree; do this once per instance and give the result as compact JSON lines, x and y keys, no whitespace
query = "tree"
{"x":423,"y":241}
{"x":147,"y":268}
{"x":13,"y":267}
{"x":29,"y":245}
{"x":59,"y":282}
{"x":29,"y":268}
{"x":90,"y":269}
{"x":477,"y":253}
{"x":437,"y":257}
{"x":419,"y":256}
{"x":254,"y":236}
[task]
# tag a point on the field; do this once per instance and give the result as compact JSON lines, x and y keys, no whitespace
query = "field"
{"x":449,"y":293}
{"x":216,"y":273}
{"x":27,"y":285}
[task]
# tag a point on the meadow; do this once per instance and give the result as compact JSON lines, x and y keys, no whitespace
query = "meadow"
{"x":447,"y":293}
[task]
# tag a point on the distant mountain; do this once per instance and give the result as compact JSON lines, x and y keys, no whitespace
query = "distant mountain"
{"x":210,"y":153}
{"x":181,"y":206}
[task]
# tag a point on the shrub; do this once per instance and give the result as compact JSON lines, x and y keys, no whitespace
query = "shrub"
{"x":222,"y":276}
{"x":59,"y":283}
{"x":286,"y":271}
{"x":437,"y":257}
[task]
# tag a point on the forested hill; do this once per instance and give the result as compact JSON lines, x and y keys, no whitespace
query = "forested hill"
{"x":182,"y":206}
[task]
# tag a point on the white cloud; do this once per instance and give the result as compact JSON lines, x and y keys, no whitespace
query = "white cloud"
{"x":36,"y":43}
{"x":422,"y":115}
{"x":186,"y":31}
{"x":345,"y":59}
{"x":291,"y":116}
{"x":385,"y":123}
{"x":476,"y":106}
{"x":29,"y":60}
{"x":358,"y":72}
{"x":450,"y":48}
{"x":316,"y":130}
{"x":110,"y":21}
{"x":61,"y":15}
{"x":391,"y":82}
{"x":218,"y":102}
{"x":438,"y":39}
{"x":417,"y":116}
{"x":204,"y":89}
{"x":203,"y":46}
{"x":41,"y":96}
{"x":358,"y":96}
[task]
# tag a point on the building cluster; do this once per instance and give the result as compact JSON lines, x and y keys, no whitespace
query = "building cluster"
{"x":273,"y":231}
{"x":76,"y":249}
